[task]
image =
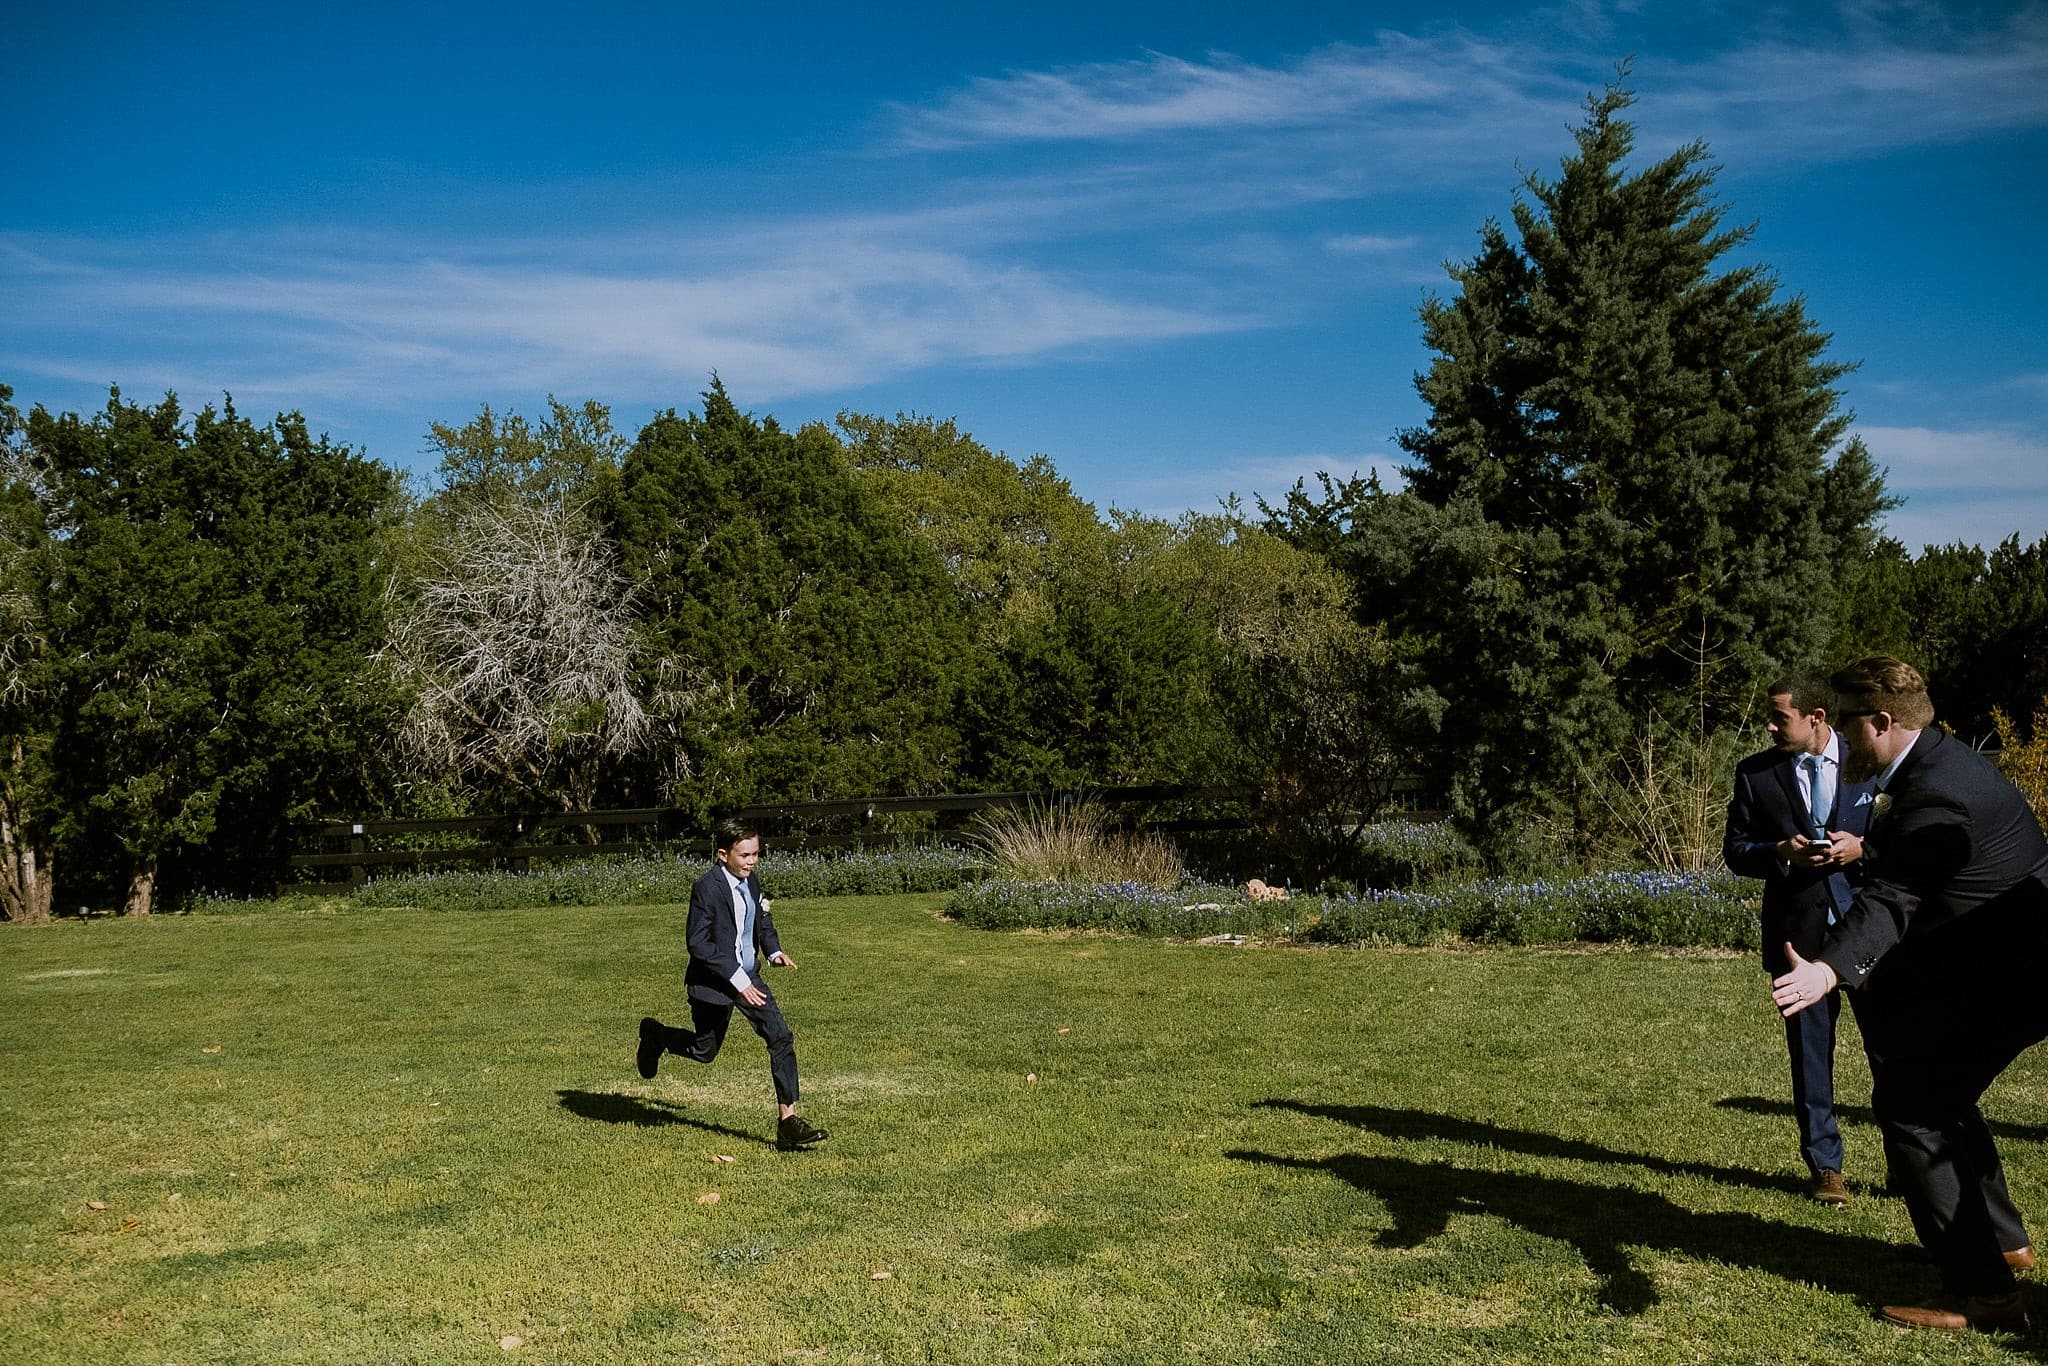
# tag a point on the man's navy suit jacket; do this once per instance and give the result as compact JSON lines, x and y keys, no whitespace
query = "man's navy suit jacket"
{"x":1954,"y":837}
{"x":714,"y":939}
{"x":1765,"y":809}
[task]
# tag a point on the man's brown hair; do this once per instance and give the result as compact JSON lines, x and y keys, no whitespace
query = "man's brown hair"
{"x":1881,"y":683}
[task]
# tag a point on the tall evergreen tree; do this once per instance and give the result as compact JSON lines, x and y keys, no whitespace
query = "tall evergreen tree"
{"x":1622,"y":503}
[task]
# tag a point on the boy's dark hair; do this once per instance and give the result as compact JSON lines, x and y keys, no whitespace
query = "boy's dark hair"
{"x":1808,"y":693}
{"x":731,"y":831}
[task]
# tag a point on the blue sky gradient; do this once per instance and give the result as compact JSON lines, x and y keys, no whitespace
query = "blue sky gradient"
{"x":1176,"y":248}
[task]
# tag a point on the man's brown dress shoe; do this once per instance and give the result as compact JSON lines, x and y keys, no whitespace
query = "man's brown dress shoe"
{"x":2020,"y":1258}
{"x":1828,"y":1188}
{"x":1986,"y":1314}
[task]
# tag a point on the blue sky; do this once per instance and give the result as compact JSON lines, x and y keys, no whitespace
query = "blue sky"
{"x":1178,"y":248}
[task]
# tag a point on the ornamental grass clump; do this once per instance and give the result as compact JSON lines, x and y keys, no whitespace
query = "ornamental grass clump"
{"x":1073,"y":842}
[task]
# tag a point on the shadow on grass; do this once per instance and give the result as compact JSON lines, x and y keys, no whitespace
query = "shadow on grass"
{"x":1418,"y":1124}
{"x":1861,"y":1114}
{"x":1605,"y":1222}
{"x":646,"y":1113}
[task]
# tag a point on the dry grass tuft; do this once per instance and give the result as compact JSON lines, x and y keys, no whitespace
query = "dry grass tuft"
{"x":1073,"y":842}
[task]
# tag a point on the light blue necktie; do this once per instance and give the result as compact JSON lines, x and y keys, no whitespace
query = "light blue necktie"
{"x":1821,"y":793}
{"x":747,"y":958}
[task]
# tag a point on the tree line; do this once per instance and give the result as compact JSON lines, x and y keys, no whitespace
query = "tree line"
{"x":1634,"y":499}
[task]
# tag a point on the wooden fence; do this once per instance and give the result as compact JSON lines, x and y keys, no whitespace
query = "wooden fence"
{"x":355,"y":847}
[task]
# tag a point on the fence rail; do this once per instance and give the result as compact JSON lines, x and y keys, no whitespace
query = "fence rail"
{"x":514,"y":839}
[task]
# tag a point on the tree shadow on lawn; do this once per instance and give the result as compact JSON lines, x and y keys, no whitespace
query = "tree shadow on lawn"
{"x":645,"y":1113}
{"x":1418,"y":1124}
{"x":1862,"y":1114}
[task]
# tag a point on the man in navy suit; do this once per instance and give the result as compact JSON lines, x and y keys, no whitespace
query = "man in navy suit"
{"x":730,"y":935}
{"x":1944,"y":948}
{"x":1794,"y":823}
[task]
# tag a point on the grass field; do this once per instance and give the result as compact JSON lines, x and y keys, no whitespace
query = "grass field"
{"x":403,"y":1136}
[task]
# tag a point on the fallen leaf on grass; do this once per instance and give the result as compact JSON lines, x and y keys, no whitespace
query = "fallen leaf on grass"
{"x":1065,"y":1029}
{"x":95,"y":1204}
{"x":882,"y":1276}
{"x":173,"y":1198}
{"x":510,"y":1340}
{"x":708,"y":1198}
{"x":213,"y":1049}
{"x":1031,"y":1076}
{"x":720,"y":1157}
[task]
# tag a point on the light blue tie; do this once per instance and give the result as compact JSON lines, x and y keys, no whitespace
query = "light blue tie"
{"x":1821,"y":793}
{"x":747,"y":958}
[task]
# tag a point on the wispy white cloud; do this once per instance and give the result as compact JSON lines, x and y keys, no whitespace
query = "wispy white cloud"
{"x":1455,"y":82}
{"x":1907,"y":78}
{"x":780,"y":322}
{"x":1440,"y":100}
{"x":1973,"y":486}
{"x":1366,"y":244}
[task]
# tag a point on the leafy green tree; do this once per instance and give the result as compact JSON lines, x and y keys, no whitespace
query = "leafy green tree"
{"x":1007,"y":534}
{"x":798,"y":642}
{"x":1622,"y":502}
{"x":27,"y":853}
{"x":1974,"y":622}
{"x":1104,"y":689}
{"x":213,"y":604}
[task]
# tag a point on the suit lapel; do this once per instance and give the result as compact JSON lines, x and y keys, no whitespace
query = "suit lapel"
{"x":1795,"y":804}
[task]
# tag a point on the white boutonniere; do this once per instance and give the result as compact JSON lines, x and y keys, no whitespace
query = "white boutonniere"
{"x":1879,"y":805}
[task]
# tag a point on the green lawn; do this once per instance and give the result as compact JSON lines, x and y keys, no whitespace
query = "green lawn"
{"x":403,"y":1136}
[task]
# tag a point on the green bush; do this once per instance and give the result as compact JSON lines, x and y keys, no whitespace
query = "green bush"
{"x":1708,"y":910}
{"x":651,"y":880}
{"x":1190,"y":911}
{"x":1412,"y":854}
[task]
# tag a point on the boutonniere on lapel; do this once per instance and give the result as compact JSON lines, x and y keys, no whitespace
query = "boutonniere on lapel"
{"x":1879,"y":805}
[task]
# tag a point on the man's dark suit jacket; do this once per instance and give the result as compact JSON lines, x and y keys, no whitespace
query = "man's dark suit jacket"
{"x":1765,"y":809}
{"x":714,"y":938}
{"x":1949,"y":836}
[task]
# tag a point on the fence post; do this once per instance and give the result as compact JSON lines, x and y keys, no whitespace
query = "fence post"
{"x":358,"y":874}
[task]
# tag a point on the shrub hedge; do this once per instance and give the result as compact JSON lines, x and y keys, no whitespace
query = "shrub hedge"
{"x":1709,"y":910}
{"x":656,"y":880}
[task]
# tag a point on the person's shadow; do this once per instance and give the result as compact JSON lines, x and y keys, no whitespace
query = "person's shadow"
{"x":1604,"y":1223}
{"x":1419,"y":1124}
{"x":645,"y":1112}
{"x":1862,"y":1114}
